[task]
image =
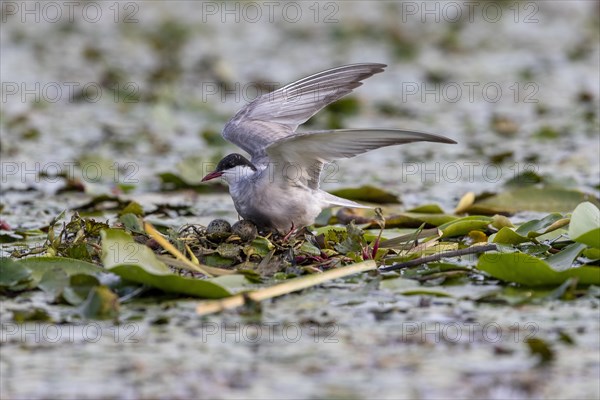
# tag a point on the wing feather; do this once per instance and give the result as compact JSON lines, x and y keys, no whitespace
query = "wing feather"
{"x":308,"y":151}
{"x":275,"y":116}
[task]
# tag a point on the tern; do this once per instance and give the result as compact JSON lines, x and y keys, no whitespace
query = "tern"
{"x":278,"y":188}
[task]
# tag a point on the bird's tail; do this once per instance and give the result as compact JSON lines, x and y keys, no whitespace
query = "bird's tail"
{"x":332,"y":200}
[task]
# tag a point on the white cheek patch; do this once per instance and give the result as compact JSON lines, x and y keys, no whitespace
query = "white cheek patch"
{"x":238,"y":174}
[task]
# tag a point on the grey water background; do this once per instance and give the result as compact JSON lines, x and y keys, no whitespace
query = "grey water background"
{"x":114,"y":93}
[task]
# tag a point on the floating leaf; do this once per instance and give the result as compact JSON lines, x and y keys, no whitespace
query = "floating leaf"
{"x":427,"y":209}
{"x":478,"y":237}
{"x":425,"y":292}
{"x":535,"y":249}
{"x":546,"y":199}
{"x":500,"y":221}
{"x":463,"y":226}
{"x":507,"y":235}
{"x":132,"y":208}
{"x":101,"y":303}
{"x":415,"y":220}
{"x":524,"y":179}
{"x":592,"y":253}
{"x":564,"y":291}
{"x":132,"y":223}
{"x":368,"y":194}
{"x":540,"y":348}
{"x":40,"y":265}
{"x":10,"y":236}
{"x":171,"y":283}
{"x":35,"y":314}
{"x":465,"y":202}
{"x":101,"y":203}
{"x":547,"y":132}
{"x":79,"y":288}
{"x":563,"y":260}
{"x":585,"y":225}
{"x":536,"y":227}
{"x":410,"y":238}
{"x":234,"y":283}
{"x":119,"y":248}
{"x":137,"y":263}
{"x":531,"y":271}
{"x":531,"y":229}
{"x":171,"y":181}
{"x":13,"y":275}
{"x":53,"y":282}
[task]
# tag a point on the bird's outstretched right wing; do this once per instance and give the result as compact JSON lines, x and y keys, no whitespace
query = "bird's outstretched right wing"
{"x":308,"y":151}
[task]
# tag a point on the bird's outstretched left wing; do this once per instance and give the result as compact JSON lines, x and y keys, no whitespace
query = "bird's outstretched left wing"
{"x":275,"y":116}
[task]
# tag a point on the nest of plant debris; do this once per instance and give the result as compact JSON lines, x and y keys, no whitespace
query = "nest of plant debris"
{"x":244,"y":248}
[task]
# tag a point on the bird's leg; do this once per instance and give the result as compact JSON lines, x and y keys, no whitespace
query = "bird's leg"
{"x":287,"y":235}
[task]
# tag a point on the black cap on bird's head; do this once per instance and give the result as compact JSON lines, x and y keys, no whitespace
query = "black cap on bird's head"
{"x":228,"y":162}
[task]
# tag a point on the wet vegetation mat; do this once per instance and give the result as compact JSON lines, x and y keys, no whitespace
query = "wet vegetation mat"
{"x":95,"y":265}
{"x":475,"y":274}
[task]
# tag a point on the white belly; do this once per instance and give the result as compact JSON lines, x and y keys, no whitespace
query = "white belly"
{"x":272,"y":206}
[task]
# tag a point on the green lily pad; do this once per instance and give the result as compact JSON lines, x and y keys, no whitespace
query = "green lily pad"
{"x":585,"y":225}
{"x":425,"y":292}
{"x":427,"y":209}
{"x":53,"y":283}
{"x":524,"y":179}
{"x":463,"y":226}
{"x":132,"y":208}
{"x":563,"y":260}
{"x":13,"y":275}
{"x":35,"y":314}
{"x":132,"y":223}
{"x":40,"y":265}
{"x":529,"y":270}
{"x":234,"y":283}
{"x":545,"y":199}
{"x":531,"y":229}
{"x":592,"y":253}
{"x":415,"y":220}
{"x":137,"y":263}
{"x":500,"y":221}
{"x":101,"y":303}
{"x":171,"y":181}
{"x":79,"y":288}
{"x":507,"y":235}
{"x":541,"y":349}
{"x":538,"y":227}
{"x":367,"y":193}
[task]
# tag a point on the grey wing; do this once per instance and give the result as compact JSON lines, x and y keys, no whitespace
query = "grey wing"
{"x":308,"y":151}
{"x":275,"y":116}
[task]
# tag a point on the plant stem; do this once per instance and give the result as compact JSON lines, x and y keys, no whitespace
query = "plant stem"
{"x":293,"y":285}
{"x":439,"y":256}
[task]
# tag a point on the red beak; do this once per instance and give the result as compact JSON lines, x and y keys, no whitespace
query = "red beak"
{"x":212,"y":175}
